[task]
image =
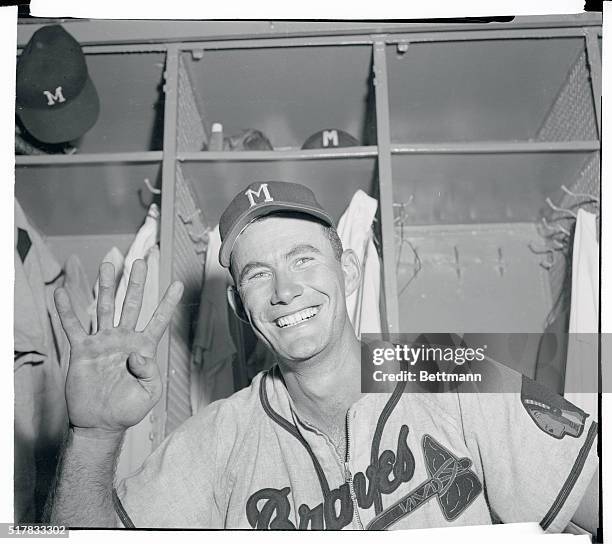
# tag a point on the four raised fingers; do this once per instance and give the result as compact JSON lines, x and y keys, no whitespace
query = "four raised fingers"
{"x":131,"y":306}
{"x":70,"y":322}
{"x":158,"y":323}
{"x":133,"y":297}
{"x":106,"y":296}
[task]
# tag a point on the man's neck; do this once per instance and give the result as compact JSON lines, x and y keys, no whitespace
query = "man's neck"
{"x":323,"y":389}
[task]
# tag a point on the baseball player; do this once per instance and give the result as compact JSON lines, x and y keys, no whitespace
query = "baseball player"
{"x":302,"y":447}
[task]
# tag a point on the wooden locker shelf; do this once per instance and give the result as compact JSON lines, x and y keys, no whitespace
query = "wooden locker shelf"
{"x":89,"y":158}
{"x":493,"y":147}
{"x":292,"y":155}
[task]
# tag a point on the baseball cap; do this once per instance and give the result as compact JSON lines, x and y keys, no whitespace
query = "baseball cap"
{"x":330,"y":137}
{"x":56,"y":100}
{"x":264,"y":198}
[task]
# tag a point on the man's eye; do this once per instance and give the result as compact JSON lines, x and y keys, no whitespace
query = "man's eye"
{"x":258,"y":275}
{"x":303,"y":260}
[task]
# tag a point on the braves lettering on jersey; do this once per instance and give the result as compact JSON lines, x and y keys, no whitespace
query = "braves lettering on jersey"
{"x":414,"y":460}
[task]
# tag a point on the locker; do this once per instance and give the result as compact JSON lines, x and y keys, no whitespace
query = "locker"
{"x":463,"y":130}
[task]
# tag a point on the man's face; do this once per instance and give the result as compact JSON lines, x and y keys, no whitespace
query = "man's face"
{"x":291,"y":285}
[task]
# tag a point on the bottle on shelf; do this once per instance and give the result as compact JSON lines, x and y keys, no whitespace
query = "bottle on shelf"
{"x":216,"y":138}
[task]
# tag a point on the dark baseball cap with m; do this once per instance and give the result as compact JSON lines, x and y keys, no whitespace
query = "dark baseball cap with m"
{"x":263,"y":198}
{"x":56,"y":100}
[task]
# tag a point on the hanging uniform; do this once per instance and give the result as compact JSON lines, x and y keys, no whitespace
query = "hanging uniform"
{"x":355,"y":231}
{"x":412,"y":461}
{"x":581,"y":372}
{"x":40,"y":407}
{"x":77,"y":285}
{"x":145,"y":240}
{"x":213,"y":348}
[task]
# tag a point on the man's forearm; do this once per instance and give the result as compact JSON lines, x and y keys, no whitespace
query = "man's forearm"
{"x":82,"y":496}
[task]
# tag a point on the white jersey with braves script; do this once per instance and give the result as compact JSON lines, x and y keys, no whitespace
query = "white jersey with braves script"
{"x":413,"y":460}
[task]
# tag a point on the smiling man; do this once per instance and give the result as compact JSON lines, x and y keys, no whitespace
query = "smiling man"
{"x":302,"y":447}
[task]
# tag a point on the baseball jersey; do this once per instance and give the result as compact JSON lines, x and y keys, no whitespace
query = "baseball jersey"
{"x":413,"y":460}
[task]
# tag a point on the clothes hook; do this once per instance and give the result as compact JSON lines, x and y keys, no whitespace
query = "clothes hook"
{"x":549,"y":262}
{"x":558,"y":229}
{"x":589,"y":197}
{"x":197,"y":54}
{"x":559,"y":245}
{"x":559,"y":209}
{"x":190,"y":217}
{"x":550,"y":254}
{"x":402,"y":47}
{"x":403,"y":204}
{"x":543,"y":250}
{"x":151,"y":188}
{"x":402,"y":216}
{"x":201,"y":237}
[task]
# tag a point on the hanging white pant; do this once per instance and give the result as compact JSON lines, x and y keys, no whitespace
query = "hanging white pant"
{"x":581,"y":373}
{"x":355,"y":231}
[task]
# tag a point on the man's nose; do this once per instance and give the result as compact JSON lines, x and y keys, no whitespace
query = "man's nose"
{"x":285,"y":288}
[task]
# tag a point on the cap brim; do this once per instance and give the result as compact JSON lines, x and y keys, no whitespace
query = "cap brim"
{"x":65,"y":123}
{"x":258,"y":211}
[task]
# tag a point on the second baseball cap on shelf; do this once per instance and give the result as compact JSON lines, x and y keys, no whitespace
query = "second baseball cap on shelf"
{"x":56,"y":100}
{"x":330,"y":137}
{"x":264,"y":198}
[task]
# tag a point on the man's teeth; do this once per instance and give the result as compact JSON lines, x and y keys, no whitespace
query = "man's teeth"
{"x":297,"y":317}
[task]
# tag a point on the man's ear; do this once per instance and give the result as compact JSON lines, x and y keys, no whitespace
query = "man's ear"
{"x":234,"y":300}
{"x":351,"y":269}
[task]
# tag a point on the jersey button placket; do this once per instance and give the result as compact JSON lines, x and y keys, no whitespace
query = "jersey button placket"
{"x":348,"y":476}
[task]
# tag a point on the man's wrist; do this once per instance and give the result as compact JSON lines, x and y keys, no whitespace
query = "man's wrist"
{"x":92,"y":433}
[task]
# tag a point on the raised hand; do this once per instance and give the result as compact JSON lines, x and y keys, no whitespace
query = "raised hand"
{"x":113,"y":380}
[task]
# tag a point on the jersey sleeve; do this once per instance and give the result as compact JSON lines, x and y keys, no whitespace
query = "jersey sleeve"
{"x":184,"y":481}
{"x":537,"y":450}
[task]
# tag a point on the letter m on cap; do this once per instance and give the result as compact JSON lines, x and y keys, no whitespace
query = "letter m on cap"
{"x":252,"y":195}
{"x":52,"y":98}
{"x":330,"y":137}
